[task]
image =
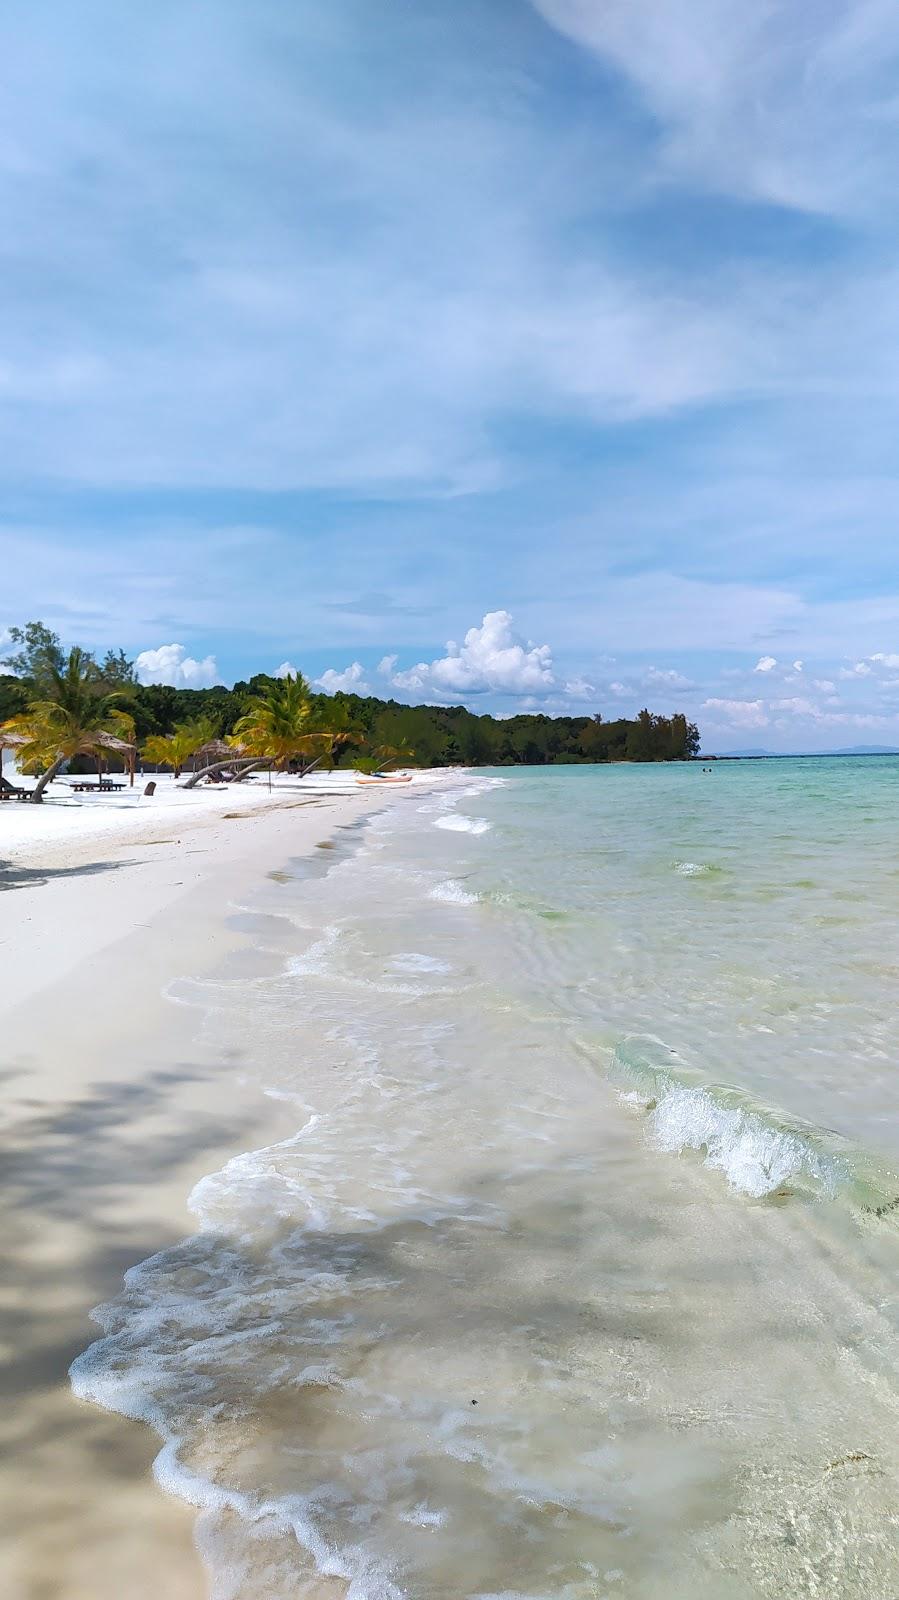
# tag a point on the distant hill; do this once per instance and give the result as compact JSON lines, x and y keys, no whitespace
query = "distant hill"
{"x":868,"y":750}
{"x":784,"y":755}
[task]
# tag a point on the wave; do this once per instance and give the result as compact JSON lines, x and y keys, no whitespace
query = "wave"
{"x":761,"y":1150}
{"x":452,"y":893}
{"x":457,"y":824}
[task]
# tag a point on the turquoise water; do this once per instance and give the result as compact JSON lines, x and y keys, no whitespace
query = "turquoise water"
{"x":578,"y":1276}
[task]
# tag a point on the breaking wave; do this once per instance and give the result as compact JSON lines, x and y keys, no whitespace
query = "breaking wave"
{"x":458,"y":824}
{"x":760,"y":1150}
{"x":451,"y":893}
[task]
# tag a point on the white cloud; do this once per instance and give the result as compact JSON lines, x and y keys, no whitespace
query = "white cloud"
{"x":800,"y":706}
{"x":793,"y":103}
{"x":665,"y":678}
{"x":171,"y":664}
{"x":765,"y":664}
{"x":885,"y":660}
{"x":491,"y":659}
{"x":738,"y":713}
{"x":386,"y":665}
{"x":286,"y":670}
{"x":350,"y":681}
{"x":798,"y":666}
{"x":580,"y":689}
{"x":860,"y":670}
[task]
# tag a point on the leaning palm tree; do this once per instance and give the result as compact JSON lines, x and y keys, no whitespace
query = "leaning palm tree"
{"x":382,"y":756}
{"x":279,"y":724}
{"x":175,"y":748}
{"x":331,"y":730}
{"x":275,"y":728}
{"x":76,"y":716}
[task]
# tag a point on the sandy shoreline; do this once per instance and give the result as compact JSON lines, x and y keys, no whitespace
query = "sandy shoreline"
{"x":112,"y":1111}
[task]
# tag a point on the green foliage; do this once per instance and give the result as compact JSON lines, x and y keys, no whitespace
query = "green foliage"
{"x":438,"y":735}
{"x":13,"y":697}
{"x":39,"y":652}
{"x":116,"y":670}
{"x":346,"y":728}
{"x":70,"y":714}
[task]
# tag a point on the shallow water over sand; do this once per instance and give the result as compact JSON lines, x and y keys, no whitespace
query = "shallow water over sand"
{"x":577,"y":1277}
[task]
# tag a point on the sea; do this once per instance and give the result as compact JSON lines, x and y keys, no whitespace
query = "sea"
{"x":577,"y":1276}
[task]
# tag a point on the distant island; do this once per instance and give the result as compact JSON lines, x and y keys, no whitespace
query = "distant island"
{"x":800,"y":755}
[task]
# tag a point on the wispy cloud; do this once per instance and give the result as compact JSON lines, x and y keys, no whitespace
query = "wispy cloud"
{"x":793,"y":103}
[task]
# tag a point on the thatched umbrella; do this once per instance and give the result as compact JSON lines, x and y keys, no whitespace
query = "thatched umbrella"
{"x":121,"y":748}
{"x":216,"y":754}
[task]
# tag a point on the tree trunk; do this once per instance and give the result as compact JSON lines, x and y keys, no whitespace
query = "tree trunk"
{"x":219,"y":766}
{"x":37,"y":793}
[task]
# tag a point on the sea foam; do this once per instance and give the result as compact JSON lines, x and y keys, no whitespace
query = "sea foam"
{"x":459,"y":824}
{"x":452,"y":893}
{"x":757,"y":1148}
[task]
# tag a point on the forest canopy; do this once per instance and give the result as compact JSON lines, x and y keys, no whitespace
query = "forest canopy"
{"x":432,"y":735}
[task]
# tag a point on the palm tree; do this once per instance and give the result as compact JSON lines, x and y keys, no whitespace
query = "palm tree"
{"x":342,"y":731}
{"x":75,"y":717}
{"x":185,"y":740}
{"x":279,"y":724}
{"x":392,"y":755}
{"x":386,"y":755}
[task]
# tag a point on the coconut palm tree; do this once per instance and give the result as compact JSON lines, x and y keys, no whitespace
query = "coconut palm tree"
{"x":185,"y":740}
{"x":76,"y":716}
{"x":342,"y":731}
{"x":279,"y":725}
{"x":383,"y":756}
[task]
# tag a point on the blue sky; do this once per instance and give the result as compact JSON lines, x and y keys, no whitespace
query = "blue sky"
{"x":330,"y":331}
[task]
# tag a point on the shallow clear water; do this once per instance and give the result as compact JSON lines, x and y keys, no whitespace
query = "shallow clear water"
{"x":578,"y":1277}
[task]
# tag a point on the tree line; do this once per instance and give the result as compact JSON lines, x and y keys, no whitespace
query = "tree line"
{"x":352,"y":729}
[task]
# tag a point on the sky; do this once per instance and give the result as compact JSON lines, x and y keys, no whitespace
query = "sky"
{"x":531,"y":354}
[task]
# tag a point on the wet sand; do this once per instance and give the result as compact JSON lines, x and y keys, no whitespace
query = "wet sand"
{"x":112,"y":1109}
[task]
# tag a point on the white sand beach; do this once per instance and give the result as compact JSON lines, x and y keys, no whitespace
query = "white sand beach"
{"x":111,"y":1112}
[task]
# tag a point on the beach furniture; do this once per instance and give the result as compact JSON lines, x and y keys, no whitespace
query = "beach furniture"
{"x":105,"y":787}
{"x":150,"y":790}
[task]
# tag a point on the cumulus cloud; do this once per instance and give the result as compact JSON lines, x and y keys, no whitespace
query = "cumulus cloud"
{"x":171,"y":664}
{"x":492,"y":659}
{"x":386,"y":665}
{"x":765,"y":664}
{"x":739,"y":713}
{"x":286,"y":670}
{"x":580,"y":688}
{"x":799,"y":705}
{"x":350,"y":681}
